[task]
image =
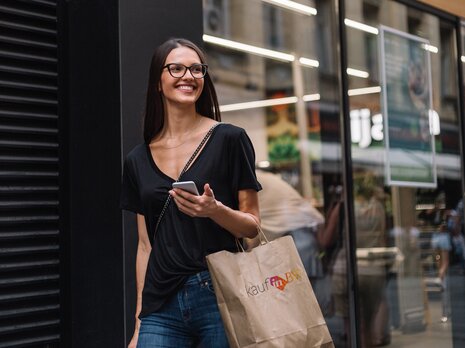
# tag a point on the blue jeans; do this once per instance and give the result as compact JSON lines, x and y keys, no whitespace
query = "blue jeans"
{"x":307,"y":246}
{"x":190,"y":318}
{"x":441,"y":240}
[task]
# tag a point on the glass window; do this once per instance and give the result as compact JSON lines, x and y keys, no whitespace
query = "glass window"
{"x":462,"y":59}
{"x":407,"y":173}
{"x":275,"y":69}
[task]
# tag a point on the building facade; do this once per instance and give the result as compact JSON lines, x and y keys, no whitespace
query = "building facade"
{"x":352,"y":101}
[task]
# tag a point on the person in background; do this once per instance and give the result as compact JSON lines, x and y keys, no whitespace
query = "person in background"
{"x":370,"y":229}
{"x":455,"y":225}
{"x":441,"y":242}
{"x":283,"y":211}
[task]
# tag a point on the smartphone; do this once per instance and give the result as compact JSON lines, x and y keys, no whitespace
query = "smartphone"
{"x":188,"y":186}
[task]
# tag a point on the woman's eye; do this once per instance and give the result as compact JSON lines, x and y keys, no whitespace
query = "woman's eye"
{"x":176,"y":68}
{"x":197,"y":69}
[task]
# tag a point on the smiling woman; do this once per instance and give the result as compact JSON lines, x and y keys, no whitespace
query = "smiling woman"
{"x":176,"y":305}
{"x":177,"y":87}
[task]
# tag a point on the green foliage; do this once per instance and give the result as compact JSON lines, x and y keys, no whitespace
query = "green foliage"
{"x":283,"y":149}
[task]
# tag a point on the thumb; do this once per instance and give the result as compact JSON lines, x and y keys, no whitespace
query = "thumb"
{"x":208,"y":191}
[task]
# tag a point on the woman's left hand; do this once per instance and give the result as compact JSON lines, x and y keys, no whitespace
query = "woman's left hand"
{"x":196,"y":206}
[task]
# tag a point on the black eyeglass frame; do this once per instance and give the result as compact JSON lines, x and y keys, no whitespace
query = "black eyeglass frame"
{"x":205,"y":66}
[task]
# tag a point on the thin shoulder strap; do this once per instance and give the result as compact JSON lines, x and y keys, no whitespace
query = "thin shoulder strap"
{"x":194,"y":155}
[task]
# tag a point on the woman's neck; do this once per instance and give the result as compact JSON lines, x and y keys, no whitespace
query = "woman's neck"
{"x":178,"y":122}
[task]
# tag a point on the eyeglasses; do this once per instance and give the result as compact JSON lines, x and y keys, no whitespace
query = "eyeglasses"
{"x":198,"y":71}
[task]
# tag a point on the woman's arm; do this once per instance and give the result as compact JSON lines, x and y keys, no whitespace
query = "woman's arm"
{"x":328,"y":233}
{"x":241,"y":223}
{"x":143,"y":252}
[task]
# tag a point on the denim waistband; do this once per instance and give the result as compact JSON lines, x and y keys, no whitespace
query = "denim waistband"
{"x":198,"y":278}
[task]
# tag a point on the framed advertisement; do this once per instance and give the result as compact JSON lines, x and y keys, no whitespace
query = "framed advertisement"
{"x":406,"y":99}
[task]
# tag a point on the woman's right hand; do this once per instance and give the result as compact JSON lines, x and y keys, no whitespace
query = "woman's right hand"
{"x":133,"y":343}
{"x":135,"y":337}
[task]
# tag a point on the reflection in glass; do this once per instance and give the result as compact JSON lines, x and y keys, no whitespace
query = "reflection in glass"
{"x":277,"y":75}
{"x":275,"y":67}
{"x":407,"y":237}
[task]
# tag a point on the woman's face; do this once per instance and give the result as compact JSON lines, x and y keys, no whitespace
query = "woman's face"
{"x":182,"y":90}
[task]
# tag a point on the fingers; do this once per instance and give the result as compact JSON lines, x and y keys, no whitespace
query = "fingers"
{"x":192,"y":205}
{"x":186,"y":202}
{"x":184,"y":198}
{"x":208,"y":191}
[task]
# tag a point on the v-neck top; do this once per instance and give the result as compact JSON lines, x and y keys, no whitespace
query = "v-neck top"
{"x":227,"y":163}
{"x":162,"y":173}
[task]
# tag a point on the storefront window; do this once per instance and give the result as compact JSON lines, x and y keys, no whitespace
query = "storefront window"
{"x":276,"y":70}
{"x":462,"y":58}
{"x":407,"y":174}
{"x":275,"y":65}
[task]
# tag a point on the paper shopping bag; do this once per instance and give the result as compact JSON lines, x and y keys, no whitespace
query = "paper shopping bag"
{"x":265,"y":298}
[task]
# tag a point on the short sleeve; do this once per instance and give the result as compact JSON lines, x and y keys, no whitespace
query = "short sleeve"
{"x":130,"y":197}
{"x":243,"y":164}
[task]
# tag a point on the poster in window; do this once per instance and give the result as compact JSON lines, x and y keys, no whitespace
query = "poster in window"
{"x":407,"y":105}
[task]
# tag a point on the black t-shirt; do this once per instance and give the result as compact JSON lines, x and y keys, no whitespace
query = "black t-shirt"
{"x":227,"y":163}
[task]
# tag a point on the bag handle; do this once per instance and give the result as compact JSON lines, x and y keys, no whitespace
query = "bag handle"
{"x":194,"y":155}
{"x":261,"y":235}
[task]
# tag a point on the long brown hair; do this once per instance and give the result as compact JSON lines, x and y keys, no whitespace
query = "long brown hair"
{"x":154,"y":118}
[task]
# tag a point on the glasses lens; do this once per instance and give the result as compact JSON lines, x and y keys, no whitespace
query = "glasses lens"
{"x":198,"y":70}
{"x":176,"y":70}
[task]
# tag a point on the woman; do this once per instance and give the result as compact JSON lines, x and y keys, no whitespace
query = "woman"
{"x":176,"y":305}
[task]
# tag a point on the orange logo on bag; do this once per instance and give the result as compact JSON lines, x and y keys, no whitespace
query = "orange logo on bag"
{"x":278,"y":282}
{"x":275,"y":281}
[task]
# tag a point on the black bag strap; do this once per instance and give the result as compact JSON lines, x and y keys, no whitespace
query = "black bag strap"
{"x":194,"y":155}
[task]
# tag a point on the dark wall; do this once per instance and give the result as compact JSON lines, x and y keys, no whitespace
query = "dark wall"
{"x":109,"y":44}
{"x":144,"y":25}
{"x":94,"y":231}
